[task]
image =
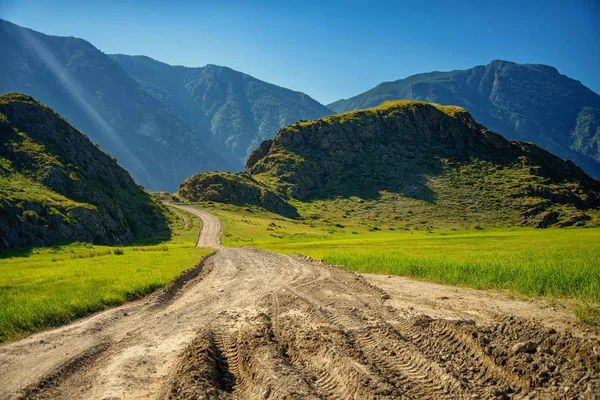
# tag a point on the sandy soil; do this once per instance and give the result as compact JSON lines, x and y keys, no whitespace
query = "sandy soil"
{"x":250,"y":324}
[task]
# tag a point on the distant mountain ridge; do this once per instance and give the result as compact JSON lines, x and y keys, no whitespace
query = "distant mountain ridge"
{"x":527,"y":102}
{"x":239,"y":110}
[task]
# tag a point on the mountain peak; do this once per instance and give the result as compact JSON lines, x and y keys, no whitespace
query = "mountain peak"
{"x":500,"y":63}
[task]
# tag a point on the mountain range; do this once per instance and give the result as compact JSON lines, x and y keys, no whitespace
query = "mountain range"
{"x":162,"y":123}
{"x":238,"y":110}
{"x":527,"y":102}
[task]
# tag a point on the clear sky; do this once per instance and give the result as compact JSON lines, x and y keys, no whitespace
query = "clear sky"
{"x":331,"y":49}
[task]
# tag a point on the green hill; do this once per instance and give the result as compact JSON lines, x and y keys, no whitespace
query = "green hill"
{"x":55,"y":184}
{"x":528,"y":102}
{"x":424,"y":165}
{"x":238,"y":189}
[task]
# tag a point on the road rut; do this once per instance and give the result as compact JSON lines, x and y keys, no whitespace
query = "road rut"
{"x":250,"y":324}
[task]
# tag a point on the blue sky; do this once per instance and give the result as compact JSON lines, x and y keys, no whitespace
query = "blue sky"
{"x":336,"y":49}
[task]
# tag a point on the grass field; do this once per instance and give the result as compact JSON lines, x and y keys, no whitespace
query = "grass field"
{"x":559,"y":263}
{"x":532,"y":262}
{"x":49,"y":286}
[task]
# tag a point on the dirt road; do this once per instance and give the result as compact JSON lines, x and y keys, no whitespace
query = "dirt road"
{"x":258,"y":325}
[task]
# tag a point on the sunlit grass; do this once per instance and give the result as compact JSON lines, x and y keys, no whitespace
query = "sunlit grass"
{"x":49,"y":286}
{"x":556,"y":263}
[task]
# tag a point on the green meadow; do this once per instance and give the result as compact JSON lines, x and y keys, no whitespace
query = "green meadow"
{"x":49,"y":286}
{"x":557,"y":263}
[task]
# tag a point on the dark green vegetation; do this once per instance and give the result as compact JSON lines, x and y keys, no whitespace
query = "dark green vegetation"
{"x":162,"y":123}
{"x":51,"y":286}
{"x":239,"y":189}
{"x":234,"y":109}
{"x":532,"y":103}
{"x":425,"y":164}
{"x":56,"y":185}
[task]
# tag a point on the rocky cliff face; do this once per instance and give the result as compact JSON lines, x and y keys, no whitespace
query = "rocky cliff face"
{"x":435,"y":154}
{"x":56,"y":185}
{"x":533,"y":103}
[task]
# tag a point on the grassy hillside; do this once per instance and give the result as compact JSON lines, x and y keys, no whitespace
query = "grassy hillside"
{"x":528,"y":102}
{"x":56,"y":185}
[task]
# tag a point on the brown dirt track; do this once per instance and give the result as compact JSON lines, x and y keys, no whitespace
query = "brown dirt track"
{"x":250,"y":324}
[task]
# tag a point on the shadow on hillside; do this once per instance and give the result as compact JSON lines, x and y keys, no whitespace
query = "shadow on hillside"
{"x":17,"y":251}
{"x":408,"y":180}
{"x":155,"y":228}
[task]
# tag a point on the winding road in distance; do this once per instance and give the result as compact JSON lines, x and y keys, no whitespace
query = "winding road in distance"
{"x":251,"y":324}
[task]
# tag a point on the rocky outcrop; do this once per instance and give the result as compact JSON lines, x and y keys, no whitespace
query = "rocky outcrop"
{"x":258,"y":153}
{"x":314,"y":155}
{"x":424,"y":151}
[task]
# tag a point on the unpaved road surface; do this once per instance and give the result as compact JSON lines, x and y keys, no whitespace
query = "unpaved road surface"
{"x":249,"y":324}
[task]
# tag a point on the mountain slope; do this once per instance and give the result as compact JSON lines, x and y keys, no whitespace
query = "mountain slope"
{"x":424,"y":163}
{"x":56,"y":185}
{"x":97,"y":96}
{"x":238,"y":110}
{"x":527,"y":102}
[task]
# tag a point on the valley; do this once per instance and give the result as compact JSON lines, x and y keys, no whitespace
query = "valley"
{"x":186,"y":230}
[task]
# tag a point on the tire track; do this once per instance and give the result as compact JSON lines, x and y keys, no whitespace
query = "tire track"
{"x":386,"y":353}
